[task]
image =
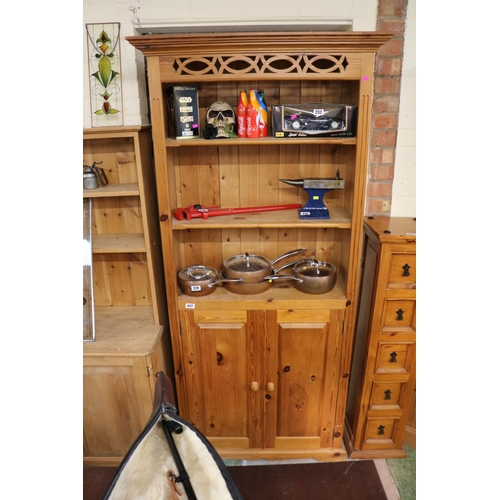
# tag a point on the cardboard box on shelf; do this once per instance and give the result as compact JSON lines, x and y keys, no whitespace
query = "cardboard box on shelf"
{"x":314,"y":119}
{"x":183,"y":112}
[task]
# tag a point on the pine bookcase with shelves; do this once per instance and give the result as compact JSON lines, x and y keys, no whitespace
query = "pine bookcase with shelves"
{"x":131,"y":327}
{"x":262,"y":375}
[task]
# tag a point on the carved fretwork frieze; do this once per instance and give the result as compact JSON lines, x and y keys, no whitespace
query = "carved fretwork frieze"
{"x":259,"y":64}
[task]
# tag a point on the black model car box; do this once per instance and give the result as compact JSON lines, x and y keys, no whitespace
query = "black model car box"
{"x":182,"y":111}
{"x":314,"y":119}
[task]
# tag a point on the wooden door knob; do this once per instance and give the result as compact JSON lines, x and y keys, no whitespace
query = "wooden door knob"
{"x":270,"y":387}
{"x":254,"y":386}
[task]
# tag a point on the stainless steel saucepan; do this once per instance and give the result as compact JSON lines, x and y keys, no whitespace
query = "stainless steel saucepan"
{"x":244,"y":288}
{"x":198,"y":281}
{"x":253,"y":268}
{"x":315,"y":276}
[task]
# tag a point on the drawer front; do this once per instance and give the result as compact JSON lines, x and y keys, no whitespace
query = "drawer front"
{"x":402,"y":270}
{"x":381,"y":433}
{"x":387,"y":395}
{"x":399,"y":315}
{"x":395,"y":358}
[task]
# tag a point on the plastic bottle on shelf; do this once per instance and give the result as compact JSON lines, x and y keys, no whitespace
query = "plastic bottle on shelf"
{"x":252,"y":112}
{"x":256,"y":115}
{"x":242,"y":114}
{"x":263,"y":124}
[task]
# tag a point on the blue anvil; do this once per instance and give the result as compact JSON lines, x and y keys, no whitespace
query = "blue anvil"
{"x":315,"y":207}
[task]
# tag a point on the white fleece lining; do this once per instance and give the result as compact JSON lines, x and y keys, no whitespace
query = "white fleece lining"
{"x":145,"y":475}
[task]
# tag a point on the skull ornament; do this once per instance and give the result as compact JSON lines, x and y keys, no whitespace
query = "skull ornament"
{"x":221,"y":115}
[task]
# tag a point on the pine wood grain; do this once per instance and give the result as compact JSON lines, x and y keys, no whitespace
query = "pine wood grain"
{"x":381,"y":398}
{"x":237,"y":172}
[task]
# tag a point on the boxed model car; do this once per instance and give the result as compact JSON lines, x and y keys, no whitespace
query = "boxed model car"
{"x":183,"y":115}
{"x":314,"y":119}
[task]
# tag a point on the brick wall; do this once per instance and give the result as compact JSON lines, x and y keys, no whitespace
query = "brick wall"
{"x":391,"y":17}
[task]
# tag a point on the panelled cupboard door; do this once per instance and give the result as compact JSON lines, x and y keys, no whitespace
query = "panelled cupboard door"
{"x":262,"y":379}
{"x":117,"y":402}
{"x":307,"y":370}
{"x":219,"y":354}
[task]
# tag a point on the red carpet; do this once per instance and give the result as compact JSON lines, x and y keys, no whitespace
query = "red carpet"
{"x":351,"y":480}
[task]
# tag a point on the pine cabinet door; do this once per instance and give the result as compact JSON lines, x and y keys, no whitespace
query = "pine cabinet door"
{"x":220,"y":360}
{"x":304,"y":367}
{"x":262,"y":379}
{"x":117,"y":404}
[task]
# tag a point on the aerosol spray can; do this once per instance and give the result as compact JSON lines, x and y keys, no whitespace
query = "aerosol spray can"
{"x":242,"y":114}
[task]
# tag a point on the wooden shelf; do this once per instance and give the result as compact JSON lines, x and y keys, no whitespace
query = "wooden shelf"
{"x":118,"y":243}
{"x":282,"y":295}
{"x":113,"y":132}
{"x":123,"y":331}
{"x":131,"y":189}
{"x":131,"y":341}
{"x":260,"y":142}
{"x":340,"y":218}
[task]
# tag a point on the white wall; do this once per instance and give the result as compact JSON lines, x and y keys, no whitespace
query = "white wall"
{"x":404,"y":183}
{"x":150,"y":14}
{"x":234,"y":12}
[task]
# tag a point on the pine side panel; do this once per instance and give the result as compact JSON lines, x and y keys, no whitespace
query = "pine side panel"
{"x":149,"y":209}
{"x":166,"y":191}
{"x":362,"y":151}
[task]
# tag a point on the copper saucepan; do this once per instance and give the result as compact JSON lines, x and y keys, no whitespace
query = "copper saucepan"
{"x":198,"y":281}
{"x":244,"y":288}
{"x":316,"y":276}
{"x":253,"y":268}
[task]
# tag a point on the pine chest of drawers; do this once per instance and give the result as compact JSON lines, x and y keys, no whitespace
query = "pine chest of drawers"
{"x":382,"y":380}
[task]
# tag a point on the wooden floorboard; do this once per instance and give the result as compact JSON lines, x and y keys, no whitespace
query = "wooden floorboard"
{"x":348,"y":480}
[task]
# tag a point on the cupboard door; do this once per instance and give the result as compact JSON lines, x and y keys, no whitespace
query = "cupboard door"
{"x":117,"y":403}
{"x":306,"y":367}
{"x":222,"y":377}
{"x":262,"y":379}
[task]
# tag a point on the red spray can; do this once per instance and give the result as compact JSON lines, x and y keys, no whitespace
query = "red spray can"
{"x":242,"y":114}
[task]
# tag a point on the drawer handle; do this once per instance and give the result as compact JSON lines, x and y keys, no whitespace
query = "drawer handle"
{"x":406,"y":270}
{"x":381,"y":430}
{"x":399,"y":312}
{"x":393,"y":359}
{"x":387,"y":395}
{"x":270,"y":387}
{"x":254,"y":386}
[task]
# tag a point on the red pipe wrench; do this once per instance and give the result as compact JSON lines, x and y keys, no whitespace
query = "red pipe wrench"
{"x":204,"y":212}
